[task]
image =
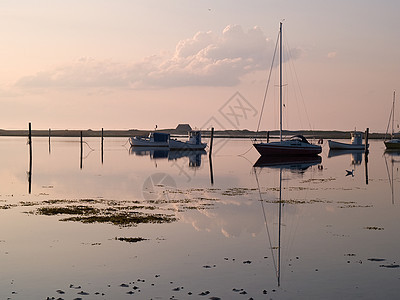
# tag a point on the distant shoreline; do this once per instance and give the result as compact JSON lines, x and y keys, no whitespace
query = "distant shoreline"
{"x":318,"y":134}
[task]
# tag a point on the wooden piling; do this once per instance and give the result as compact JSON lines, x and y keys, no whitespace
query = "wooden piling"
{"x":81,"y":149}
{"x":211,"y":141}
{"x":30,"y":158}
{"x":102,"y":145}
{"x":30,"y":141}
{"x":49,"y":140}
{"x":366,"y":155}
{"x":30,"y":134}
{"x":366,"y":140}
{"x":211,"y":171}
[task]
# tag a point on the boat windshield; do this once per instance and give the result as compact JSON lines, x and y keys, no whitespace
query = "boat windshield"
{"x":299,"y":138}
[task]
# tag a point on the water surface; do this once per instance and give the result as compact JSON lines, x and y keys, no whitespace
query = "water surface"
{"x":321,"y":229}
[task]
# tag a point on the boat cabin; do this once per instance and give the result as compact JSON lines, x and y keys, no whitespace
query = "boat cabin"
{"x":195,"y":137}
{"x":159,"y":137}
{"x":356,"y":138}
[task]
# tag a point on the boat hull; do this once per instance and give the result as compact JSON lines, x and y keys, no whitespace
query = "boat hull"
{"x":179,"y":145}
{"x":392,"y":144}
{"x":288,"y":162}
{"x":279,"y":149}
{"x":344,"y":146}
{"x":141,"y":142}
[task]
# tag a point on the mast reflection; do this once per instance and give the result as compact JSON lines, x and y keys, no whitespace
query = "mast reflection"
{"x":297,"y":164}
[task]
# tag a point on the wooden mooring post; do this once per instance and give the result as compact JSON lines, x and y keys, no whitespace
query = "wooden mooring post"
{"x":30,"y":158}
{"x":211,"y":171}
{"x":30,"y":135}
{"x":81,"y":149}
{"x":366,"y":155}
{"x":210,"y":156}
{"x":49,"y":140}
{"x":102,"y":145}
{"x":211,"y":141}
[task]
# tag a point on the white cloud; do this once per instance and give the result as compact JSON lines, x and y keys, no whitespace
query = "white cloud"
{"x":205,"y":59}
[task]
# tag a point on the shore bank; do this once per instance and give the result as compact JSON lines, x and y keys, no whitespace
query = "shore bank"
{"x":319,"y":134}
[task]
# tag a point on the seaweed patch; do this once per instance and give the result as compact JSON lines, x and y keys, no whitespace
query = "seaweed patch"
{"x":130,"y":239}
{"x":374,"y":228}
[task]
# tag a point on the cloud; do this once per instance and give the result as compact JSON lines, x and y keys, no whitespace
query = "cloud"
{"x":8,"y":93}
{"x":85,"y":72}
{"x":332,"y":54}
{"x":206,"y":59}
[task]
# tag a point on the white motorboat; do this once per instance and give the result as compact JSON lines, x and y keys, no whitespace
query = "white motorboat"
{"x":356,"y":143}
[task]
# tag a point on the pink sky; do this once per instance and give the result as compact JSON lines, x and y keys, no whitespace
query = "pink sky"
{"x":128,"y":64}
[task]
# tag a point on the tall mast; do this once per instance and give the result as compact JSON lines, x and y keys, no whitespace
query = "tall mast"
{"x":280,"y":80}
{"x":394,"y":97}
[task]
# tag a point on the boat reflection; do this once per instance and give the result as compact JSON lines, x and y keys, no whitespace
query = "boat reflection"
{"x":392,"y":155}
{"x":294,"y":163}
{"x":356,"y":155}
{"x":356,"y":159}
{"x":163,"y":153}
{"x":392,"y":152}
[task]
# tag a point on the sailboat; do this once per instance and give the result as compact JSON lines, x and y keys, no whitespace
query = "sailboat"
{"x":392,"y":143}
{"x":296,"y":145}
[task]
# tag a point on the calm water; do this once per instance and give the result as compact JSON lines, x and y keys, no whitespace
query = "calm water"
{"x":333,"y":235}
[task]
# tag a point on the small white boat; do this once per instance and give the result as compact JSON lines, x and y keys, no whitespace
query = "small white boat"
{"x":155,"y":139}
{"x":356,"y":143}
{"x":193,"y":142}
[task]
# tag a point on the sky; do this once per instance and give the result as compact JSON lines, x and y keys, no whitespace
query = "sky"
{"x":128,"y":64}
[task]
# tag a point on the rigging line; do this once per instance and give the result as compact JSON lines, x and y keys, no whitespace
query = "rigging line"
{"x":244,"y":157}
{"x":387,"y":169}
{"x":293,"y":228}
{"x":87,"y":144}
{"x":87,"y":155}
{"x":298,"y":84}
{"x":265,"y":221}
{"x":390,"y":118}
{"x":127,"y":141}
{"x":247,"y":151}
{"x":289,"y":70}
{"x":267,"y":85}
